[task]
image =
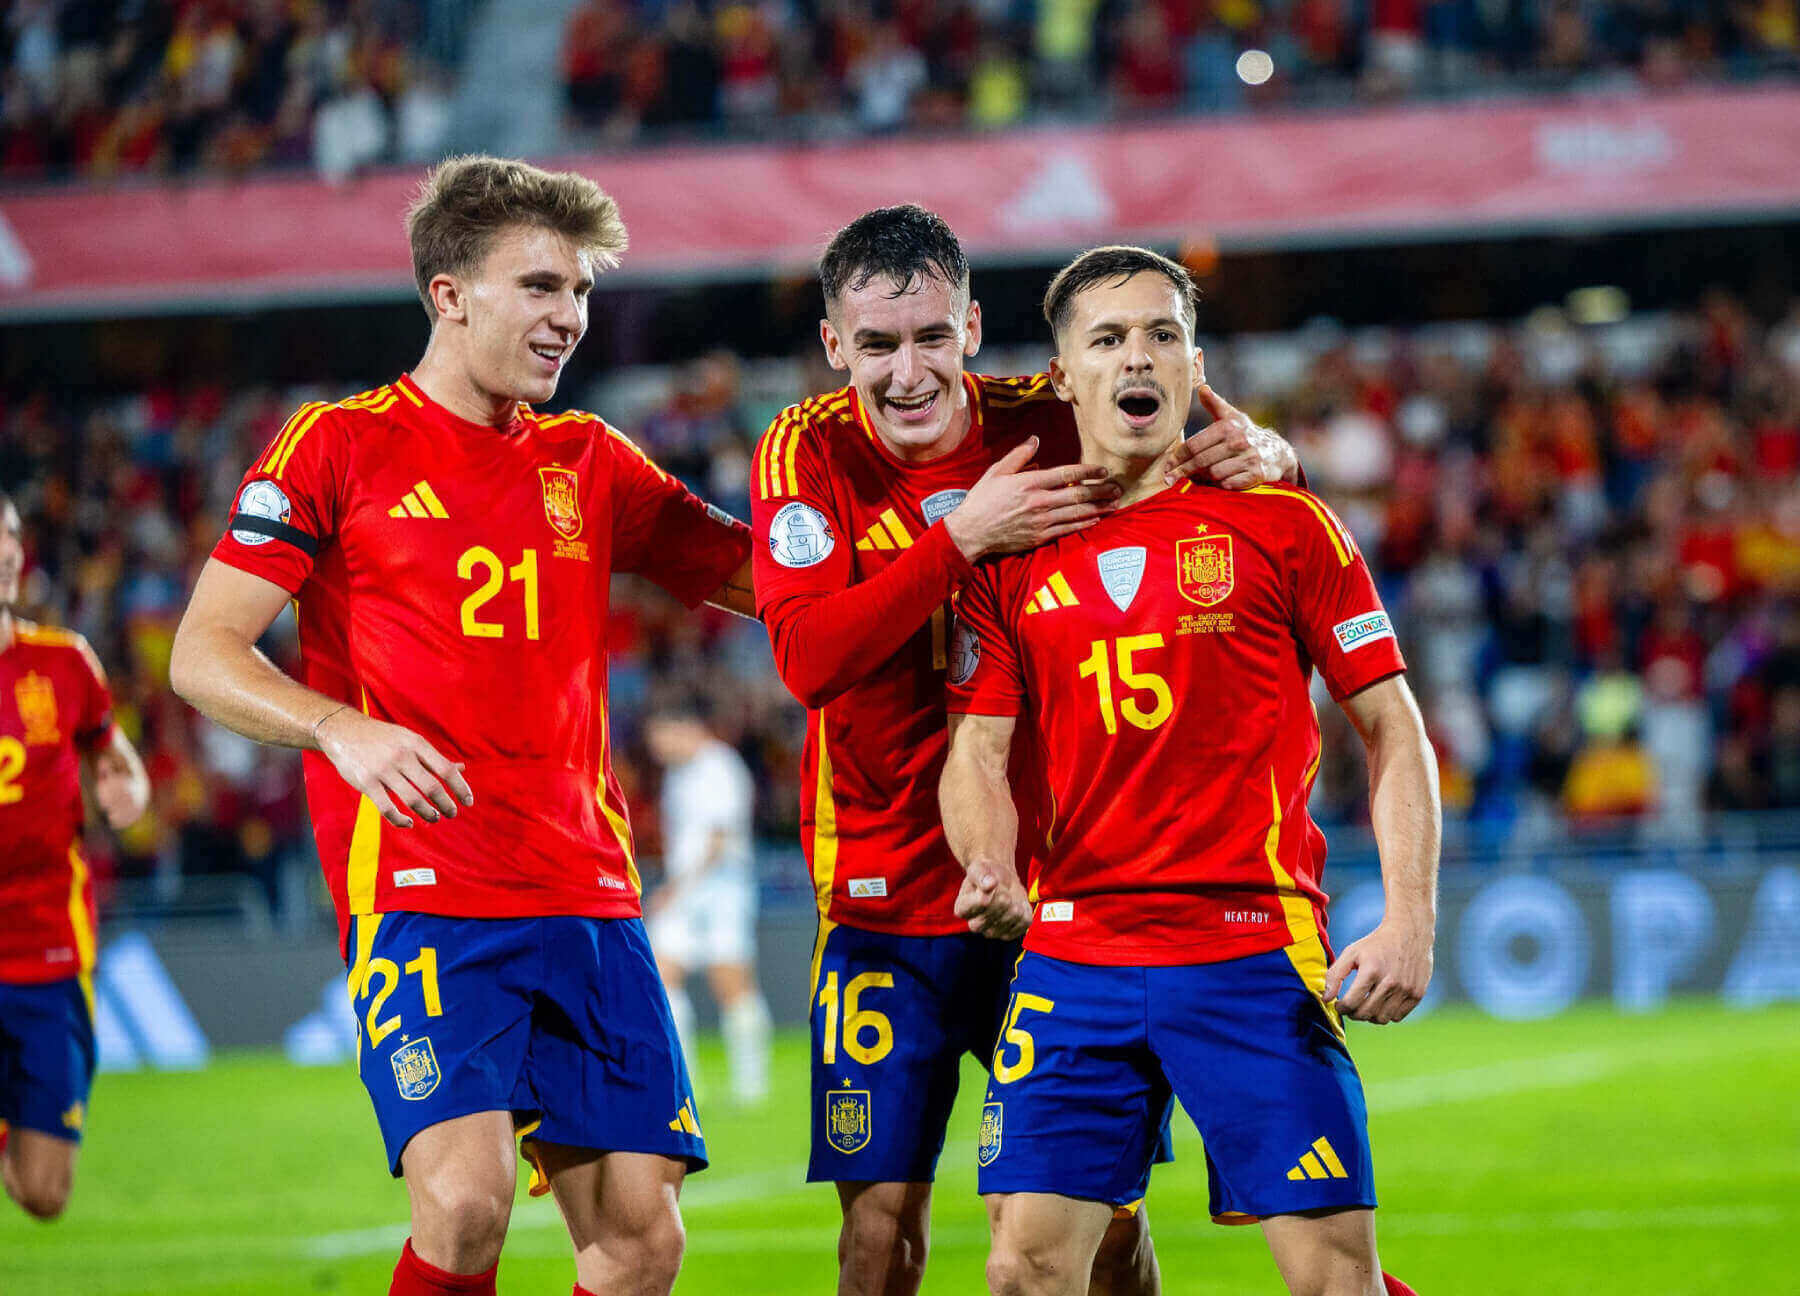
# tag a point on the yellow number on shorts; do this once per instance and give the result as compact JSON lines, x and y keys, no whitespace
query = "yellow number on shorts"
{"x":1012,"y":1033}
{"x":12,"y":763}
{"x":390,"y":977}
{"x":857,"y":1019}
{"x":424,"y":966}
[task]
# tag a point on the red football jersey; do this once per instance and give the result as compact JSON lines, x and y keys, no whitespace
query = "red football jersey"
{"x":833,"y":508}
{"x":452,"y":577}
{"x":1162,"y":660}
{"x":54,"y":709}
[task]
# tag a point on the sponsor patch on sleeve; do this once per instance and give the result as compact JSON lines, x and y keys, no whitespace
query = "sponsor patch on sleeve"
{"x":1364,"y":629}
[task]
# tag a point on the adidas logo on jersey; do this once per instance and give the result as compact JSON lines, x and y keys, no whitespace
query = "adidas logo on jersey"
{"x":887,"y":533}
{"x":419,"y":502}
{"x":1052,"y":594}
{"x":1324,"y":1165}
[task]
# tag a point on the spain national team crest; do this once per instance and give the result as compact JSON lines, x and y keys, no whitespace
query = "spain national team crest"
{"x":1203,"y":568}
{"x":992,"y":1115}
{"x":416,"y":1069}
{"x":36,"y":697}
{"x":847,"y":1119}
{"x":562,"y":500}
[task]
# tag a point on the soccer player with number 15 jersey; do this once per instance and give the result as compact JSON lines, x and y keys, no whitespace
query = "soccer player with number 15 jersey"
{"x":1161,"y":661}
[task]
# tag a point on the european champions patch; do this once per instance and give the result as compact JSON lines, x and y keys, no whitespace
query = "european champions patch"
{"x":261,"y":499}
{"x":799,"y":536}
{"x":1364,"y":629}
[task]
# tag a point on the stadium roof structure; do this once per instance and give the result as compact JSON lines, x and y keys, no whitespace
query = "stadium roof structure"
{"x":1340,"y":179}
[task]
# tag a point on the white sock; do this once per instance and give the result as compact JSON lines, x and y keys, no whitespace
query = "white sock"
{"x":746,"y":1025}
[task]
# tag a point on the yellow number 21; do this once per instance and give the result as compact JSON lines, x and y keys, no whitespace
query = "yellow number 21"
{"x":525,"y":571}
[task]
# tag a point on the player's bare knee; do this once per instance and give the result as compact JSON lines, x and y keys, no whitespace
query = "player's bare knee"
{"x":1034,"y":1267}
{"x":460,"y":1226}
{"x":882,"y":1248}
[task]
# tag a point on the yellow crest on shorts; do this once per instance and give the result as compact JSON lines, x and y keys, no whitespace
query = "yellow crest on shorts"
{"x":847,"y":1119}
{"x":992,"y":1117}
{"x":36,"y":697}
{"x":416,"y":1069}
{"x":562,"y":500}
{"x":1203,"y":568}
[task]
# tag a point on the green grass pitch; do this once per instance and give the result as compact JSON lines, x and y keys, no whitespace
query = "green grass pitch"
{"x":1593,"y":1153}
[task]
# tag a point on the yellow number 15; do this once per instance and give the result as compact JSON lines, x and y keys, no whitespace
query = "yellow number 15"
{"x":1141,"y":682}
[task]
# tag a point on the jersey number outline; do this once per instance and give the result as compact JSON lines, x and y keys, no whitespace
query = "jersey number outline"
{"x":857,"y":1019}
{"x":12,"y":764}
{"x":1098,"y":666}
{"x":525,"y":571}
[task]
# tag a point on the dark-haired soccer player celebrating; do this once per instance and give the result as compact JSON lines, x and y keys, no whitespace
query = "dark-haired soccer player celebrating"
{"x":1161,"y":661}
{"x":450,"y":552}
{"x":870,"y":506}
{"x":55,"y":718}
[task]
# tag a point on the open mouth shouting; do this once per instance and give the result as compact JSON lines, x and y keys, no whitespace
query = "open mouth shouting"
{"x":911,"y":409}
{"x":1140,"y":405}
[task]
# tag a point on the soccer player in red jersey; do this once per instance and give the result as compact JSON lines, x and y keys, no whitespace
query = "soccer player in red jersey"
{"x":449,"y":551}
{"x":871,"y":504}
{"x":1161,"y":661}
{"x":55,"y":717}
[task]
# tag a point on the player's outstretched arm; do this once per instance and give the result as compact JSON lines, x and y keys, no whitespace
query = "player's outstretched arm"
{"x":982,"y":825}
{"x":217,"y":669}
{"x":1233,"y":451}
{"x":121,"y":788}
{"x":1393,"y":962}
{"x":737,"y":594}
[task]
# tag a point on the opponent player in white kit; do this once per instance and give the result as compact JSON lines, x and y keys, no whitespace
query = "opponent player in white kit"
{"x":704,"y":916}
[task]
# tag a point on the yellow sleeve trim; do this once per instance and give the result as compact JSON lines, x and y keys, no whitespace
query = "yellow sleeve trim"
{"x":1341,"y":540}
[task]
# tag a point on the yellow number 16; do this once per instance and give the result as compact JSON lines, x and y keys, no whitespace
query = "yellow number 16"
{"x":1143,"y":682}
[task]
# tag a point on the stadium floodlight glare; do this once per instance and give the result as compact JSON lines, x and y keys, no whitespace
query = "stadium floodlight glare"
{"x":1254,"y":67}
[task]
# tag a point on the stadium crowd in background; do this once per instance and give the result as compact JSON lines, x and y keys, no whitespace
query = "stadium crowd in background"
{"x":1590,"y":536}
{"x":100,"y":88}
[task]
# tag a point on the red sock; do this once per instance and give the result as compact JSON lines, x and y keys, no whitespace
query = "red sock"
{"x":582,"y":1291}
{"x":1395,"y":1287}
{"x":415,"y":1277}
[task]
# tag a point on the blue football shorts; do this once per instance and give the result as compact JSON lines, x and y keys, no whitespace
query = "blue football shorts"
{"x":47,"y":1056}
{"x":891,"y":1019}
{"x":561,"y":1021}
{"x":1090,"y":1058}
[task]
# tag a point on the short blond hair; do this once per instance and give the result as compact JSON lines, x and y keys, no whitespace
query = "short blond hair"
{"x":464,"y":203}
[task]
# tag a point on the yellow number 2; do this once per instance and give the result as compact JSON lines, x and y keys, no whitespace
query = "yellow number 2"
{"x":1012,"y":1033}
{"x":12,"y":764}
{"x":1099,"y":667}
